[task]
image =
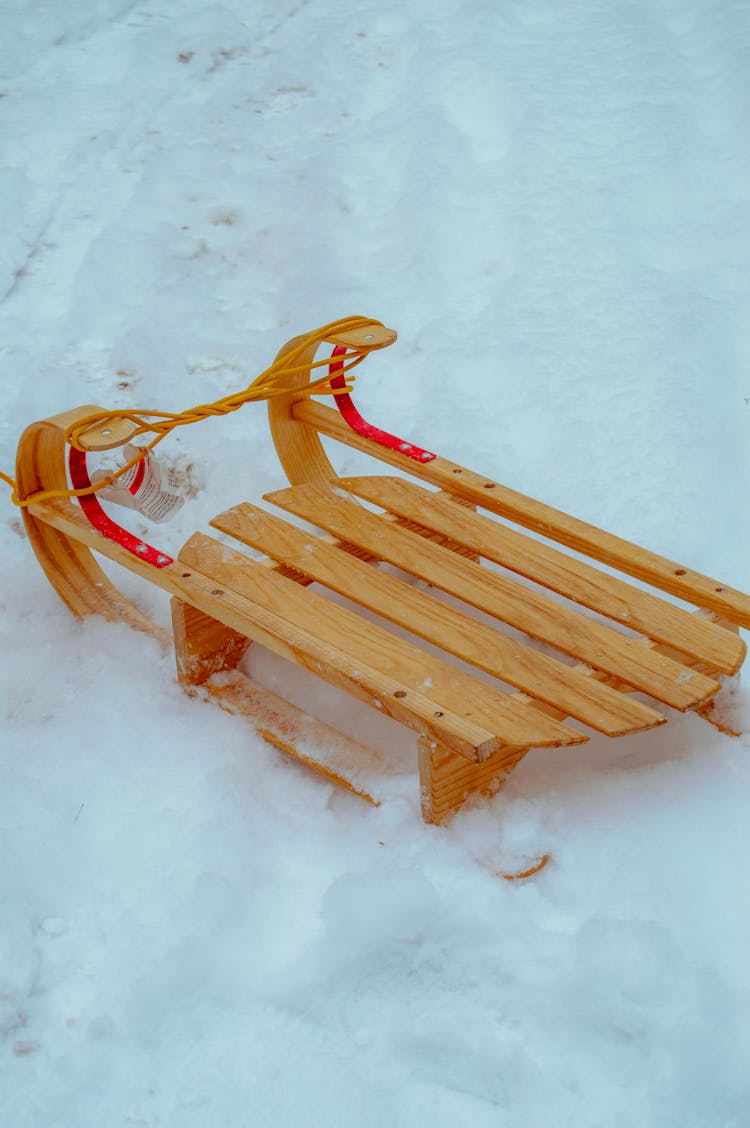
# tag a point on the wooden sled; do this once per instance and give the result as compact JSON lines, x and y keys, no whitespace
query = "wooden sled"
{"x":471,"y":731}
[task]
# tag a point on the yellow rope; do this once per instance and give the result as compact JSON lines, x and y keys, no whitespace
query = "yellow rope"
{"x":270,"y":384}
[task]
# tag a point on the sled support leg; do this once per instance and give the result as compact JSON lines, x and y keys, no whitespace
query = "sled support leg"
{"x":721,"y":711}
{"x":202,"y":645}
{"x":447,"y":779}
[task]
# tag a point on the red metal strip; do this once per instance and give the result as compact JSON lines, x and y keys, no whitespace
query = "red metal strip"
{"x":79,"y":476}
{"x":140,"y":474}
{"x":360,"y":425}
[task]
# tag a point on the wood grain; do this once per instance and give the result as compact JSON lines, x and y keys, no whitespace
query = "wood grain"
{"x":338,"y":647}
{"x":657,"y":570}
{"x":535,"y":614}
{"x":203,"y":646}
{"x":576,"y":695}
{"x":446,"y":780}
{"x":65,"y":558}
{"x":581,"y":582}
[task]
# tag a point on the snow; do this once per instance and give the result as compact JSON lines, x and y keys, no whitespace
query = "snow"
{"x":551,"y":204}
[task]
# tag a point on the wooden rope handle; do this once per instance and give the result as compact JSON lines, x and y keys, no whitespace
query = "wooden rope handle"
{"x":69,"y":565}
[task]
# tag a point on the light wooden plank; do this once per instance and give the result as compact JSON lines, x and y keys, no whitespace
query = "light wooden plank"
{"x":535,"y":614}
{"x":285,"y":638}
{"x":352,"y":644}
{"x":641,"y":610}
{"x":668,"y":575}
{"x":545,"y":678}
{"x":339,"y":647}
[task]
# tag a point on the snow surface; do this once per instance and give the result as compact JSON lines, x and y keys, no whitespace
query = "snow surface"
{"x":551,"y":203}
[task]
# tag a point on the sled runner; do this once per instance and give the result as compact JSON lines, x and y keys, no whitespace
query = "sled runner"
{"x":433,"y":520}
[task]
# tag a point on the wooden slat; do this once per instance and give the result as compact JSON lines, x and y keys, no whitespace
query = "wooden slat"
{"x":699,"y":638}
{"x":284,"y":638}
{"x":337,"y":645}
{"x":571,"y":691}
{"x":537,"y":615}
{"x":663,"y":573}
{"x":352,"y":644}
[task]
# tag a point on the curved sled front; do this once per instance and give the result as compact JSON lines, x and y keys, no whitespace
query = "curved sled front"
{"x":69,"y":565}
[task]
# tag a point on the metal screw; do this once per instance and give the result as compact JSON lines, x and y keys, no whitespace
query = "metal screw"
{"x":142,"y":548}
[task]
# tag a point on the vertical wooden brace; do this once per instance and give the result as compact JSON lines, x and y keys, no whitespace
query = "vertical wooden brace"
{"x":202,"y":645}
{"x":446,"y":779}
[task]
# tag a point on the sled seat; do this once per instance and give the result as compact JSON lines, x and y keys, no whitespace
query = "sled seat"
{"x":471,"y":732}
{"x":460,"y":621}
